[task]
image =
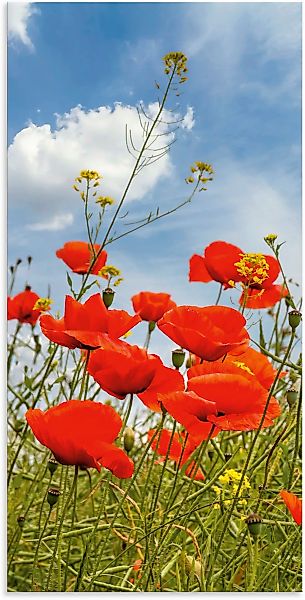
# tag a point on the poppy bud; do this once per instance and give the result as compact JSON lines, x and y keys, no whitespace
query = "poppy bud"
{"x":294,"y":317}
{"x":293,"y":376}
{"x":291,"y":397}
{"x":108,"y":296}
{"x":151,"y":326}
{"x":128,"y":439}
{"x":254,"y":522}
{"x":20,"y":521}
{"x":53,"y":495}
{"x":12,"y":269}
{"x":52,"y":465}
{"x":178,"y":357}
{"x":18,"y":261}
{"x":29,"y":259}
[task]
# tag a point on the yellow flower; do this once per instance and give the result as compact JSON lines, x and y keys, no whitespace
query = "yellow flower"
{"x":104,"y":201}
{"x":177,"y":61}
{"x":109,"y":270}
{"x":271,"y":237}
{"x":42,"y":304}
{"x":242,"y":366}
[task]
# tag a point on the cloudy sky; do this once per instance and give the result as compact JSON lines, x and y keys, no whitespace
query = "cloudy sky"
{"x":76,"y":73}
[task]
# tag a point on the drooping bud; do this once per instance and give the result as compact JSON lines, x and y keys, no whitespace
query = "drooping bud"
{"x":254,"y":522}
{"x":52,"y":496}
{"x":128,"y":439}
{"x":151,"y":326}
{"x":227,"y":455}
{"x":18,"y":261}
{"x":191,"y":565}
{"x":178,"y":356}
{"x":291,"y":397}
{"x":52,"y":465}
{"x":20,"y":521}
{"x":108,"y":296}
{"x":294,"y":317}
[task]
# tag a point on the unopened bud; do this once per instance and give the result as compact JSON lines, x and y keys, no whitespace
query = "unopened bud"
{"x":20,"y":521}
{"x":254,"y":522}
{"x":108,"y":296}
{"x":294,"y":317}
{"x":178,"y":357}
{"x":52,"y":465}
{"x":292,"y":396}
{"x":52,"y":496}
{"x":151,"y":326}
{"x":18,"y":261}
{"x":12,"y":269}
{"x":128,"y":439}
{"x":293,"y":376}
{"x":29,"y":259}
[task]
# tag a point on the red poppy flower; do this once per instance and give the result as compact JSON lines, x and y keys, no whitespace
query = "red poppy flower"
{"x":263,"y":298}
{"x":191,"y":411}
{"x":208,"y":332}
{"x":151,"y":306}
{"x":294,"y":505}
{"x":21,"y":307}
{"x":84,"y":325}
{"x":217,"y":264}
{"x":81,"y":432}
{"x":257,"y":364}
{"x":161,"y":444}
{"x":122,"y":369}
{"x":239,"y":398}
{"x":78,"y":257}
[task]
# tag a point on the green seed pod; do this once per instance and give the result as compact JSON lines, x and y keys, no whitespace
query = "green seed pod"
{"x":294,"y":317}
{"x":52,"y":496}
{"x":20,"y":521}
{"x":254,"y":522}
{"x":108,"y":296}
{"x":151,"y":326}
{"x":52,"y":465}
{"x":291,"y":397}
{"x":178,"y":356}
{"x":128,"y":439}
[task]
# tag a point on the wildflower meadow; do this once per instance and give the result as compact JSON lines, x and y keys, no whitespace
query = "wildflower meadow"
{"x":131,"y":473}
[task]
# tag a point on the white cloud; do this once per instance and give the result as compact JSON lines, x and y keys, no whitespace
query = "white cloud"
{"x":44,"y":162}
{"x":228,"y":35}
{"x":55,"y":224}
{"x":19,"y":14}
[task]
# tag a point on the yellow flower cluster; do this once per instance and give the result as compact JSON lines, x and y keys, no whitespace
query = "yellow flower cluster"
{"x":42,"y":304}
{"x":110,"y":272}
{"x":200,"y":168}
{"x":271,"y":237}
{"x":253,"y":267}
{"x":230,"y":480}
{"x":104,"y":201}
{"x":177,"y":61}
{"x":89,"y":174}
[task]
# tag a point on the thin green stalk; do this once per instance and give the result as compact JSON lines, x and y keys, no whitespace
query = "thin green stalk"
{"x":38,"y":546}
{"x":137,"y":163}
{"x":59,"y":530}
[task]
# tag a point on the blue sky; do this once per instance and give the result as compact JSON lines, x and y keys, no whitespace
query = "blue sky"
{"x":76,"y":72}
